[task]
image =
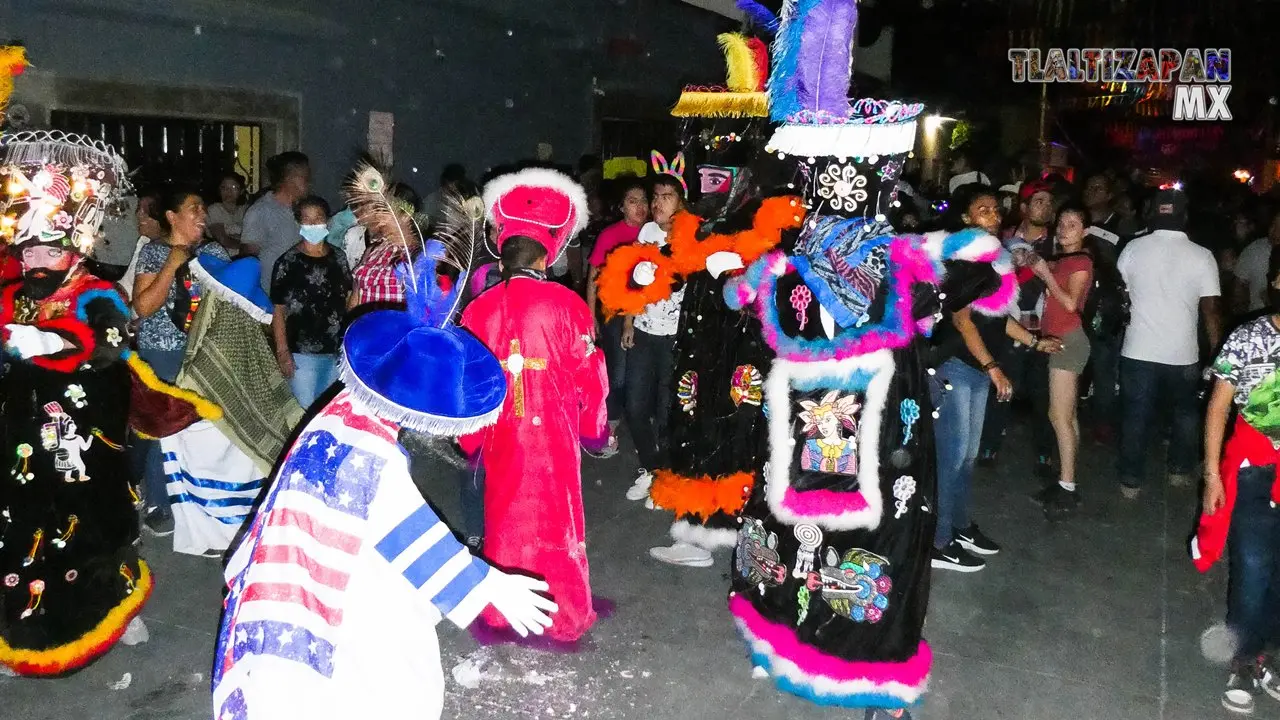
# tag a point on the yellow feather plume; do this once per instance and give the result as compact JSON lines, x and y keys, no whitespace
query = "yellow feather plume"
{"x":13,"y":60}
{"x":743,"y":73}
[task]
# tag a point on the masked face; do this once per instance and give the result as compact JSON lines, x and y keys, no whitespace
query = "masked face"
{"x":715,"y":179}
{"x":44,"y":269}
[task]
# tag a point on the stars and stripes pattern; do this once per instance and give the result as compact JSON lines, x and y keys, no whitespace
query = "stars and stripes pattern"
{"x":288,"y":578}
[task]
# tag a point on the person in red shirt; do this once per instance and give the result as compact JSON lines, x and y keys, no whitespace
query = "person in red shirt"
{"x":1067,"y":280}
{"x":635,"y":213}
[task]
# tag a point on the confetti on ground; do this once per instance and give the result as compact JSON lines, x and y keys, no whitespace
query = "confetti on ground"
{"x":123,"y":683}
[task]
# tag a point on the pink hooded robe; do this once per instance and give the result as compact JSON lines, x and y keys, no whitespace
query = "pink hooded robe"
{"x":544,"y":335}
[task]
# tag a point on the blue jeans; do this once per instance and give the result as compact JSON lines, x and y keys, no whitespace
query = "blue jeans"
{"x":1142,"y":386}
{"x":649,"y":367}
{"x":1253,"y":546}
{"x":148,"y":461}
{"x":312,"y":375}
{"x":1028,"y":370}
{"x":957,"y":433}
{"x":615,"y":359}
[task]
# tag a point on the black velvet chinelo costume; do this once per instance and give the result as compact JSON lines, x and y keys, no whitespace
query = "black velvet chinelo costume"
{"x":70,"y":576}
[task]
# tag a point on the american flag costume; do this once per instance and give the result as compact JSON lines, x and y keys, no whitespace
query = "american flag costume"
{"x":335,"y":592}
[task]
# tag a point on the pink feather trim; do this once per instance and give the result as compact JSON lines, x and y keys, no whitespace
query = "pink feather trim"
{"x":823,"y":502}
{"x":782,"y":642}
{"x":1000,"y":301}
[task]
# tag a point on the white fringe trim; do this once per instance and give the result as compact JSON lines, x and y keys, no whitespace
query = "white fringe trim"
{"x":388,"y":409}
{"x":210,"y":283}
{"x":704,"y":537}
{"x":843,"y":141}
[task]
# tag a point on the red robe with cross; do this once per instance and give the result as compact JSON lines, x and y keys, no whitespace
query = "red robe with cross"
{"x":545,"y":337}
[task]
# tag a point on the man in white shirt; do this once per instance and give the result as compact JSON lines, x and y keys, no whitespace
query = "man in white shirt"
{"x":650,"y":339}
{"x":1172,"y":282}
{"x":1251,"y":267}
{"x":964,"y":172}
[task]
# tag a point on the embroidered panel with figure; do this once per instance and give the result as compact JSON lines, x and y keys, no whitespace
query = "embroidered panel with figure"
{"x":830,"y":427}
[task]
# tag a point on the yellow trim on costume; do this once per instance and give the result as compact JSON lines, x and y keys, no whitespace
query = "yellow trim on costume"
{"x":97,"y":641}
{"x":204,"y":408}
{"x":697,"y":103}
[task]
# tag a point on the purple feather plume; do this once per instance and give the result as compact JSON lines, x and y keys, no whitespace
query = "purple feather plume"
{"x":825,"y":66}
{"x":759,"y":15}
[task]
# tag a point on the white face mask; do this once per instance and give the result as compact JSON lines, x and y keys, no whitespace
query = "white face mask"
{"x":314,"y":234}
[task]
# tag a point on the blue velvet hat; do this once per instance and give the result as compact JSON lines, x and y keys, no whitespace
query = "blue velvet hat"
{"x":236,"y":281}
{"x":415,"y":367}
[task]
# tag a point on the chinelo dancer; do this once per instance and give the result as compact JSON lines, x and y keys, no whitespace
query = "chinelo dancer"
{"x":715,"y":424}
{"x":831,"y":573}
{"x":335,"y":591}
{"x":71,"y":581}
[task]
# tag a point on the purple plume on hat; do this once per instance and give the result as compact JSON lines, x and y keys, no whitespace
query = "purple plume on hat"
{"x":814,"y":58}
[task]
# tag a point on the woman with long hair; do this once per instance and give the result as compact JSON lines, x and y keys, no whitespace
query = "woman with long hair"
{"x":1067,"y":280}
{"x":165,"y":299}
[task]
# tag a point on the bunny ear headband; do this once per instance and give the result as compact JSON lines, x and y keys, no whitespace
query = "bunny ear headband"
{"x":675,"y":168}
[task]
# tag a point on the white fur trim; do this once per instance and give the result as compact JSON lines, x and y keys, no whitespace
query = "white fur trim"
{"x":210,"y":283}
{"x":498,"y":187}
{"x":778,"y":393}
{"x":782,"y":668}
{"x":933,"y":243}
{"x":843,"y":141}
{"x":704,"y":537}
{"x":981,"y":246}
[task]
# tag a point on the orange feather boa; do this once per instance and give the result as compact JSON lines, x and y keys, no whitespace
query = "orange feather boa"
{"x":618,"y":294}
{"x":776,"y":214}
{"x":701,"y":496}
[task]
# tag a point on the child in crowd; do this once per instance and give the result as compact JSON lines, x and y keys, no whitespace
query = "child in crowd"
{"x":1240,"y":499}
{"x":309,"y":288}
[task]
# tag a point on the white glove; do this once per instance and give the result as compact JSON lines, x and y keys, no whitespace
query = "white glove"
{"x":516,"y":598}
{"x":644,"y":273}
{"x":28,"y":341}
{"x":722,"y":262}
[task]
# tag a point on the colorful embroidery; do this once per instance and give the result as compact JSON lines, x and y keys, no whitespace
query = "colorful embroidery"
{"x":687,"y":391}
{"x":810,"y":537}
{"x":802,"y":601}
{"x":903,"y":488}
{"x":11,"y":580}
{"x":757,"y":557}
{"x":748,"y":386}
{"x":909,"y":411}
{"x":856,"y":586}
{"x":801,"y":297}
{"x":20,"y":470}
{"x":35,"y":591}
{"x":831,"y":427}
{"x":76,"y":394}
{"x":842,"y":187}
{"x":113,"y":337}
{"x":516,"y":364}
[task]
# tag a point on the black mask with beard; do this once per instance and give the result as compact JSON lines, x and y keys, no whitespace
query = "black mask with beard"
{"x":40,"y":283}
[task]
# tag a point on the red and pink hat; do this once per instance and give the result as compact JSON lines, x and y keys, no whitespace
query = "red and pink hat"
{"x":538,"y":203}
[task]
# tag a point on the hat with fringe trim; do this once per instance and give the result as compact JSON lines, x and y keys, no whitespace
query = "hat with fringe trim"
{"x":744,"y":96}
{"x":237,"y":282}
{"x":415,"y":367}
{"x":809,"y":89}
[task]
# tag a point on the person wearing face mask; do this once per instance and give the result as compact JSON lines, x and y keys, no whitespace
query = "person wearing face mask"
{"x":309,"y":288}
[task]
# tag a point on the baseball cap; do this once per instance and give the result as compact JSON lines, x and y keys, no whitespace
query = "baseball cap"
{"x":1030,"y":188}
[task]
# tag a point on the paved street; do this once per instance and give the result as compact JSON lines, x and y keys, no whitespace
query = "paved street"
{"x":1099,"y":617}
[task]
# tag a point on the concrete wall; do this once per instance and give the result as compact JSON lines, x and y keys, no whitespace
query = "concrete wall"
{"x":467,"y":80}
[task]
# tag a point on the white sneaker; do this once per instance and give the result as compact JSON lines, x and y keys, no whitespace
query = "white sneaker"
{"x":136,"y":633}
{"x":682,"y":554}
{"x":640,"y":490}
{"x":648,"y":504}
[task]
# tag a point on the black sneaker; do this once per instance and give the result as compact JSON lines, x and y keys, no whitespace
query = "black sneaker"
{"x":1059,"y":502}
{"x":1242,"y":686}
{"x":955,"y":557}
{"x":973,"y":540}
{"x":157,"y":523}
